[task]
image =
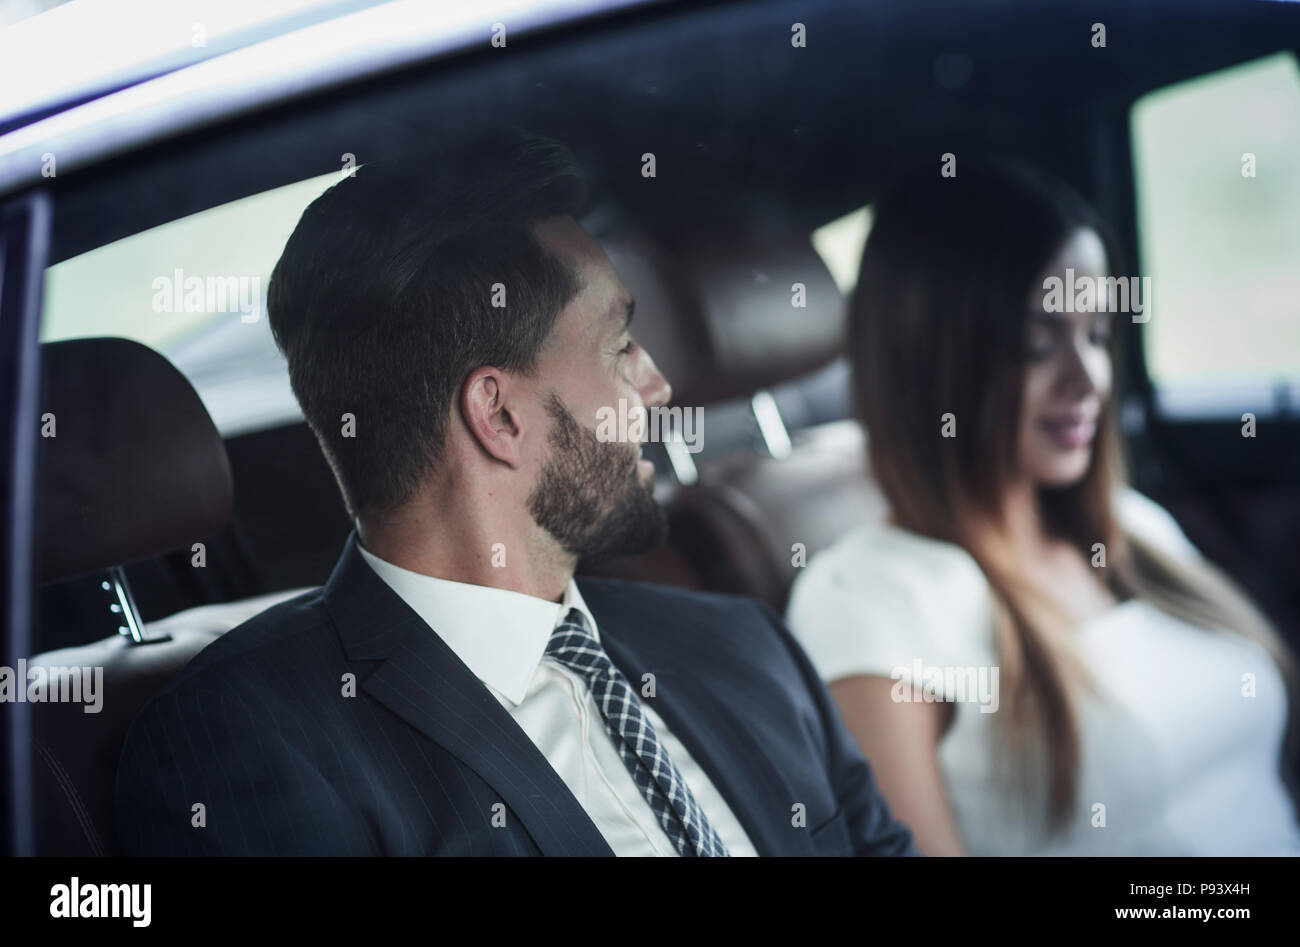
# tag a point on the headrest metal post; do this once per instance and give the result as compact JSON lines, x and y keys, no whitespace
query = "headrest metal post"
{"x":770,"y":424}
{"x":679,"y":458}
{"x":133,"y":626}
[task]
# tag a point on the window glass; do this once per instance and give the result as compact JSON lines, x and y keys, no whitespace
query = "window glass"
{"x":195,"y":291}
{"x":1217,"y":172}
{"x":839,"y":244}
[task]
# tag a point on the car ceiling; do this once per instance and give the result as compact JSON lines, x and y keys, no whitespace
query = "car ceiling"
{"x":741,"y":123}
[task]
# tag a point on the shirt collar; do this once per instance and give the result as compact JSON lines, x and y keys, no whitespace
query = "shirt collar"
{"x":500,"y":635}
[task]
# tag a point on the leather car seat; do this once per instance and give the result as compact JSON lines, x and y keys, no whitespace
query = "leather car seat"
{"x":134,"y":468}
{"x":739,"y":312}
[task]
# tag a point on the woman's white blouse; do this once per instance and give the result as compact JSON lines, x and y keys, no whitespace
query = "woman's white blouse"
{"x":1179,"y":756}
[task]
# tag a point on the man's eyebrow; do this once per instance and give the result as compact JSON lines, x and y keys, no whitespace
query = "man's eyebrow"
{"x":628,"y":312}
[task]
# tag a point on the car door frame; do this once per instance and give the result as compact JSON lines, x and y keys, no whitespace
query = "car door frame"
{"x":25,"y":222}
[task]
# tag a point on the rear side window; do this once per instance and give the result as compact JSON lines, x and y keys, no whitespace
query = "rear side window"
{"x":194,"y":290}
{"x":840,"y":244}
{"x":1217,"y":169}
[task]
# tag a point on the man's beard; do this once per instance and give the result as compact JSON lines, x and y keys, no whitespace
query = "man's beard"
{"x":589,"y":497}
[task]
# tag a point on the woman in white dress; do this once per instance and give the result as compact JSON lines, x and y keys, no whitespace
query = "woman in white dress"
{"x":1032,"y":655}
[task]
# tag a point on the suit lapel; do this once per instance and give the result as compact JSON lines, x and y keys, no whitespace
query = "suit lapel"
{"x":422,"y":681}
{"x":711,"y":727}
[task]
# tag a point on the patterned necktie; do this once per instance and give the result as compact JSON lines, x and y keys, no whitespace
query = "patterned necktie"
{"x":662,"y":786}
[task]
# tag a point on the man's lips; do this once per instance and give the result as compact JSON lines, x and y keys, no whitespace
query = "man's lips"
{"x":643,"y":466}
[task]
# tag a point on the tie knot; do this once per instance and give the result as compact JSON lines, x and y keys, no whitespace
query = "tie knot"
{"x":574,"y":619}
{"x":573,"y":645}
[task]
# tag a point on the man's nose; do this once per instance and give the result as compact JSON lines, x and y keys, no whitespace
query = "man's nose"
{"x":655,"y":390}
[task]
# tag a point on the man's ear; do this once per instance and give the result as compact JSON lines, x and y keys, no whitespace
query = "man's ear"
{"x":492,"y":420}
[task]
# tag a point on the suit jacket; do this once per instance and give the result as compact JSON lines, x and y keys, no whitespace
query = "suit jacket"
{"x":338,"y":723}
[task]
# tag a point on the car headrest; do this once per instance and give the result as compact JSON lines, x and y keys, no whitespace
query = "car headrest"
{"x":135,"y":466}
{"x":721,"y":313}
{"x":668,"y":321}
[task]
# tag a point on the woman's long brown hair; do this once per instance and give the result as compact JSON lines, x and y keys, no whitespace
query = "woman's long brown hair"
{"x":938,"y":327}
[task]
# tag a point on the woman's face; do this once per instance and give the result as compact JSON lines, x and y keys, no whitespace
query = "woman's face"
{"x":1067,"y":372}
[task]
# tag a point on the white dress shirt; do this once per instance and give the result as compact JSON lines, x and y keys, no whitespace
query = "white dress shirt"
{"x":501,"y":636}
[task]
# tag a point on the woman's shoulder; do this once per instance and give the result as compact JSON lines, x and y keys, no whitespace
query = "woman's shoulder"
{"x":1146,"y":520}
{"x":878,"y":553}
{"x":881,"y":596}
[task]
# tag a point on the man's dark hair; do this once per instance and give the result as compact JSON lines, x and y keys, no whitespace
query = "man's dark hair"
{"x":382,"y":300}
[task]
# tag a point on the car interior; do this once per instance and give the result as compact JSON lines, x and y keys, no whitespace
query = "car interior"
{"x":190,"y":494}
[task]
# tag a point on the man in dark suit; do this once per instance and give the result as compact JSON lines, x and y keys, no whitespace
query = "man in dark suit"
{"x":453,"y":335}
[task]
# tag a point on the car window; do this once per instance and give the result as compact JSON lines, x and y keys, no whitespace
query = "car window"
{"x":194,"y":289}
{"x":1217,"y":162}
{"x":839,"y":243}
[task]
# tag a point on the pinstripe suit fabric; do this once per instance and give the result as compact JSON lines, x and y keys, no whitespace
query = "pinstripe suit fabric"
{"x":339,"y":723}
